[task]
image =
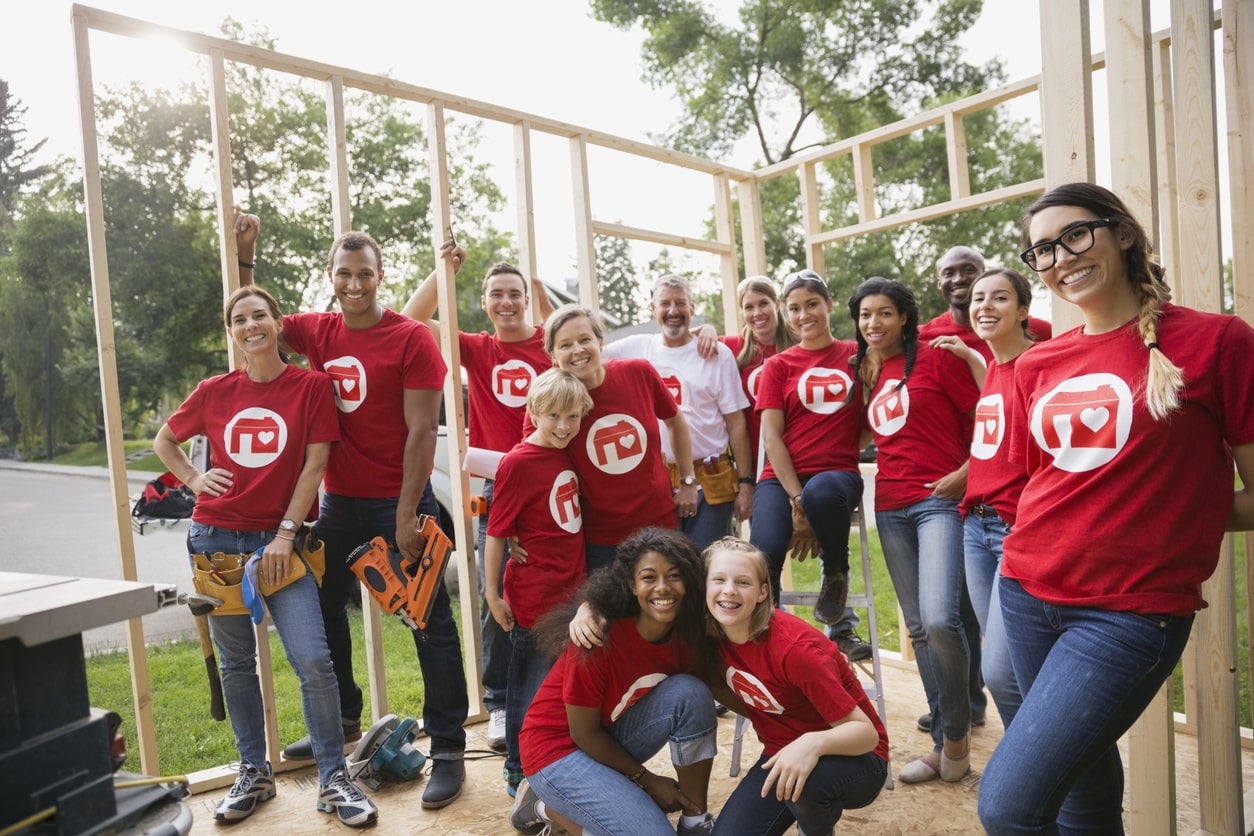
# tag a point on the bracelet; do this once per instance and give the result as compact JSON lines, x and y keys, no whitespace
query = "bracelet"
{"x":747,"y":480}
{"x":290,"y":538}
{"x":635,"y":779}
{"x":249,"y":264}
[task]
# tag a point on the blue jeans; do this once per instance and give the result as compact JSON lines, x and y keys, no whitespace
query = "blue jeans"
{"x":836,"y":784}
{"x":923,"y":549}
{"x":829,"y":499}
{"x":494,"y":642}
{"x":528,"y":667}
{"x":709,"y":523}
{"x":604,"y":801}
{"x":294,"y":611}
{"x":344,"y":523}
{"x":982,"y":551}
{"x":599,"y":555}
{"x":1086,"y":675}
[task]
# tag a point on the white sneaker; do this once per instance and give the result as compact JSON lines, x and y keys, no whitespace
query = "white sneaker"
{"x":496,"y":729}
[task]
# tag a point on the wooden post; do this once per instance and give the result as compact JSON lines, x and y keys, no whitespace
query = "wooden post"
{"x":468,"y":580}
{"x":585,"y":250}
{"x":810,"y":215}
{"x":1238,"y":57}
{"x":337,"y":156}
{"x":956,"y":148}
{"x":725,"y":224}
{"x":751,"y":237}
{"x":525,"y":203}
{"x":106,"y":349}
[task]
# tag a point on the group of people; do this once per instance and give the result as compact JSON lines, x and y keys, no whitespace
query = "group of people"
{"x":1044,"y":529}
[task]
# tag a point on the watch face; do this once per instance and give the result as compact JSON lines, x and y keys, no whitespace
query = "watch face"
{"x":288,"y":525}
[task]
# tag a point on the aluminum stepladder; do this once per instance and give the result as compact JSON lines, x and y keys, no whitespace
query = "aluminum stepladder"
{"x":864,"y":599}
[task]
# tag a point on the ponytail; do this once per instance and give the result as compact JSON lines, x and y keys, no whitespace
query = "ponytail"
{"x":1164,"y":380}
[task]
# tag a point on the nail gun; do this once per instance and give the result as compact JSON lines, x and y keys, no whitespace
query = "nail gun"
{"x":402,"y":586}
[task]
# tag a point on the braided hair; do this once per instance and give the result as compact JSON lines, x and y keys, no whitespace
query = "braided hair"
{"x":903,"y":299}
{"x":1164,"y":380}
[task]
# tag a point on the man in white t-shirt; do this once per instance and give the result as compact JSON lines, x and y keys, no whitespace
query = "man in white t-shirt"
{"x":709,"y":395}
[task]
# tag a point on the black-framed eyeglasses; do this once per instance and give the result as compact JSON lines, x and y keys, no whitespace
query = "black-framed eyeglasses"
{"x":1075,"y":239}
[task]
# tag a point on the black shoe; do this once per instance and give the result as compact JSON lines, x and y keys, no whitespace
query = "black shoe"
{"x":302,"y":750}
{"x":445,"y":783}
{"x":830,"y":608}
{"x":852,"y":645}
{"x":925,"y":721}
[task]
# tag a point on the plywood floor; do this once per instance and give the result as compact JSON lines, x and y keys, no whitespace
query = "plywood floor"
{"x":932,"y":808}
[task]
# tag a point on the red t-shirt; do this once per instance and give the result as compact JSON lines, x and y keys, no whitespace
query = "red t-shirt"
{"x":371,"y":369}
{"x":259,"y":432}
{"x":750,"y":377}
{"x":618,"y":454}
{"x":921,"y":431}
{"x":944,"y":326}
{"x":794,"y":680}
{"x":992,"y":478}
{"x":612,"y":678}
{"x":821,"y":431}
{"x":530,"y":481}
{"x":500,"y":375}
{"x":1121,"y":511}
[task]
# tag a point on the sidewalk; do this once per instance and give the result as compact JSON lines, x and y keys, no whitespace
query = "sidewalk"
{"x":140,"y":477}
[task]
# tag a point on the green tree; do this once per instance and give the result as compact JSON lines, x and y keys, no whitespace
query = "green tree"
{"x":797,"y":74}
{"x":617,"y":282}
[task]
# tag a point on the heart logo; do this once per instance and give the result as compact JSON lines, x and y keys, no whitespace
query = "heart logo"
{"x":627,"y":442}
{"x":265,"y":437}
{"x":1094,"y":417}
{"x":891,"y":404}
{"x":348,"y":385}
{"x":836,"y":388}
{"x":990,"y":426}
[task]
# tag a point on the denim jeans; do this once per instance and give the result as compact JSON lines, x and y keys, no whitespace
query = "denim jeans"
{"x":344,"y":523}
{"x":494,"y":642}
{"x":709,"y":523}
{"x":294,"y":611}
{"x":599,"y":555}
{"x":528,"y":667}
{"x":836,"y":784}
{"x":829,"y":499}
{"x":923,"y":549}
{"x":1086,"y":675}
{"x":604,"y":801}
{"x":982,"y":552}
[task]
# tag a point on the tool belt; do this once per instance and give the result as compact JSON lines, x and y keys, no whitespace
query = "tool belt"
{"x":716,"y":475}
{"x":221,"y":576}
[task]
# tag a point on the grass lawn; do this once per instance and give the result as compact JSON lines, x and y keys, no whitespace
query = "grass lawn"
{"x":92,"y":454}
{"x":188,"y":740}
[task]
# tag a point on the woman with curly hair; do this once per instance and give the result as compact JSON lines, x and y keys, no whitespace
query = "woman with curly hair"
{"x":601,"y":713}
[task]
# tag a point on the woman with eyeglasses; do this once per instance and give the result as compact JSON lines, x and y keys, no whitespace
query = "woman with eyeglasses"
{"x":920,"y":402}
{"x":1128,"y":426}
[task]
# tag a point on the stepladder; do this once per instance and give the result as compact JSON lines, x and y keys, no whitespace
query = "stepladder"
{"x":867,"y":668}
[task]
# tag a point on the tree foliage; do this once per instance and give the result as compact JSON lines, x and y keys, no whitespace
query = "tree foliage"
{"x":790,"y":75}
{"x":617,"y":283}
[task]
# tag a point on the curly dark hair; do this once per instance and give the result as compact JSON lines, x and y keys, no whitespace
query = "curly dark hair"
{"x":609,"y":590}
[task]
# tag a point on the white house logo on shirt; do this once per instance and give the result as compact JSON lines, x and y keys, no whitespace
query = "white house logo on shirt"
{"x":255,"y":437}
{"x":616,"y":443}
{"x":823,"y":390}
{"x":511,"y":381}
{"x":990,"y":426}
{"x":1084,"y":421}
{"x":890,"y":408}
{"x":349,"y":377}
{"x":637,"y":691}
{"x":673,"y":383}
{"x":752,"y":692}
{"x":752,"y":383}
{"x":564,"y":502}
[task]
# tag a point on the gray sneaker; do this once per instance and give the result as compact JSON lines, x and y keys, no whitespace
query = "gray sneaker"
{"x":524,"y":816}
{"x":253,"y":784}
{"x":342,"y":797}
{"x":701,"y":828}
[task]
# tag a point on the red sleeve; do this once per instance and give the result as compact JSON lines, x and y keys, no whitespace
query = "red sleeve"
{"x":424,"y":367}
{"x":771,"y":384}
{"x":188,"y":419}
{"x":586,"y":677}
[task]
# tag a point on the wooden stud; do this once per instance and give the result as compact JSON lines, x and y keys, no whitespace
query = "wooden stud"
{"x":724,"y":221}
{"x":1238,"y":58}
{"x":220,"y":134}
{"x":524,"y":198}
{"x":585,"y":249}
{"x":864,"y":183}
{"x":810,"y":220}
{"x":337,"y":156}
{"x":751,"y":237}
{"x":956,"y":148}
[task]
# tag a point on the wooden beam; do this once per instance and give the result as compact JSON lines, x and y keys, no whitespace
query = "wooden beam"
{"x":752,"y":239}
{"x":585,"y":249}
{"x":524,"y":204}
{"x":107,"y":354}
{"x":1066,"y":92}
{"x":220,"y":136}
{"x":666,"y":239}
{"x":725,"y":225}
{"x":1168,"y":206}
{"x":468,"y":580}
{"x":337,"y":156}
{"x":1238,"y":58}
{"x":956,"y":148}
{"x":810,"y":220}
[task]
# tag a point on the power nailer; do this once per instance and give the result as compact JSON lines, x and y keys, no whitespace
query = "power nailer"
{"x":402,"y":586}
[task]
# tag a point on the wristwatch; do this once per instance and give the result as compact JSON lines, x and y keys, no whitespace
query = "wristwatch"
{"x":688,"y":480}
{"x":288,"y":525}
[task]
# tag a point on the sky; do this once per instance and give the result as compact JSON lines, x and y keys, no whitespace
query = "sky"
{"x":550,"y":58}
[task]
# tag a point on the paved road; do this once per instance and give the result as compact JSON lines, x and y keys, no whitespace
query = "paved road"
{"x":59,"y":521}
